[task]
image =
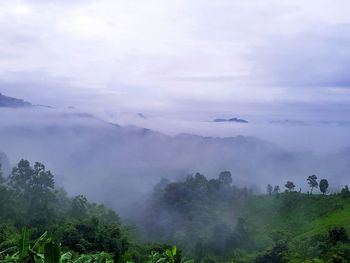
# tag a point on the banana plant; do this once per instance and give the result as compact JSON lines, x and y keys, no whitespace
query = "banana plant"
{"x":44,"y":250}
{"x":169,"y":256}
{"x":94,"y":258}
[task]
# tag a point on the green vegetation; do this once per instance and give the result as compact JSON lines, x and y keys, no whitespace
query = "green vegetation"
{"x":88,"y":232}
{"x":215,"y":221}
{"x":210,"y":220}
{"x":44,"y":250}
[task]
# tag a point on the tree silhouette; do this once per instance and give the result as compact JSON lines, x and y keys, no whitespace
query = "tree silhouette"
{"x":2,"y":180}
{"x":276,"y":189}
{"x":324,"y":186}
{"x":35,"y":186}
{"x":312,"y":182}
{"x":269,"y":189}
{"x":290,"y":186}
{"x":225,"y":178}
{"x":345,"y":191}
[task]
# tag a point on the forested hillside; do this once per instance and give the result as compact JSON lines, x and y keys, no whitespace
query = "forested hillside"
{"x":29,"y":199}
{"x":209,"y":220}
{"x":183,"y":131}
{"x":212,"y":220}
{"x":77,"y":145}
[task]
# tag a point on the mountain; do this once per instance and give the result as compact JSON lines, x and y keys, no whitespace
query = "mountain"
{"x":141,"y":115}
{"x":119,"y":164}
{"x":237,"y":120}
{"x":10,"y":102}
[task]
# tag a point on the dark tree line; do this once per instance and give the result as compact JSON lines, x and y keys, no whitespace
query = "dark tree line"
{"x":29,"y":198}
{"x":200,"y":215}
{"x":197,"y":213}
{"x":323,"y":186}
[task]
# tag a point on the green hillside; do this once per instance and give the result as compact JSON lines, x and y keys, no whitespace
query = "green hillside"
{"x":207,"y":220}
{"x":215,"y":221}
{"x":294,"y":217}
{"x":300,"y":215}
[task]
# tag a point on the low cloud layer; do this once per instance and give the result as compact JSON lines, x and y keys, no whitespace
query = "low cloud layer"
{"x":118,"y":165}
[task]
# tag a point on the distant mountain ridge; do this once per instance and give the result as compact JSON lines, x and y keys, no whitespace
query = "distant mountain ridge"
{"x":10,"y":102}
{"x":119,"y":160}
{"x":237,"y":120}
{"x":127,"y":159}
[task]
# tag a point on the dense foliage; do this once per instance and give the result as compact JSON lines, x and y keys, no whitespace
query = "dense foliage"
{"x":210,"y":220}
{"x":199,"y":214}
{"x":29,"y":198}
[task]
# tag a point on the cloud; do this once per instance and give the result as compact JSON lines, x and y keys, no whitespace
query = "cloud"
{"x":207,"y":78}
{"x":162,"y":54}
{"x":318,"y":57}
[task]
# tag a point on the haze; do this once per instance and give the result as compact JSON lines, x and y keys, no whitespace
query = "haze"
{"x":183,"y":56}
{"x":174,"y":67}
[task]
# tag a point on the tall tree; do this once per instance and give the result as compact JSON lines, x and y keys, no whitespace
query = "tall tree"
{"x":79,"y":206}
{"x":35,"y":186}
{"x":312,"y":182}
{"x":2,"y":180}
{"x":290,"y":186}
{"x":269,"y":189}
{"x":345,"y":191}
{"x":225,"y":178}
{"x":324,"y":186}
{"x":276,"y":189}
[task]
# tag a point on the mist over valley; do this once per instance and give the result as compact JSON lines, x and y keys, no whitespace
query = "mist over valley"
{"x":119,"y":165}
{"x":183,"y":131}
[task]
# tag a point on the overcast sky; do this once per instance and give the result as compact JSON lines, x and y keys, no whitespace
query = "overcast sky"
{"x":177,"y":56}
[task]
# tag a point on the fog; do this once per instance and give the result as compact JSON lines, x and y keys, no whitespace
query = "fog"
{"x":306,"y":134}
{"x":178,"y":116}
{"x":119,"y":164}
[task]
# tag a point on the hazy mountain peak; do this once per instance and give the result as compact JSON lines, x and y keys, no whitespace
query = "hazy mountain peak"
{"x":237,"y":120}
{"x":141,"y":115}
{"x":10,"y":102}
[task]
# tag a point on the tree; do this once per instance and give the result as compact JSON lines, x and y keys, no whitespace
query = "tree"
{"x":225,"y":178}
{"x":79,"y":206}
{"x":337,"y":234}
{"x":26,"y":179}
{"x":2,"y":180}
{"x":276,"y":255}
{"x":312,"y":182}
{"x":324,"y":186}
{"x":276,"y":189}
{"x":290,"y":186}
{"x":35,"y":187}
{"x":345,"y":192}
{"x":20,"y":176}
{"x":269,"y":189}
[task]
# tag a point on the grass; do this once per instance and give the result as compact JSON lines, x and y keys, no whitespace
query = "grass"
{"x":298,"y":216}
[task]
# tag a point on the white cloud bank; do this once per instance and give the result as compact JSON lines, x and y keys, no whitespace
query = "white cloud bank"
{"x":161,"y":55}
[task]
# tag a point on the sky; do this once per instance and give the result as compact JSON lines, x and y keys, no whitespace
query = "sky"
{"x":246,"y":57}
